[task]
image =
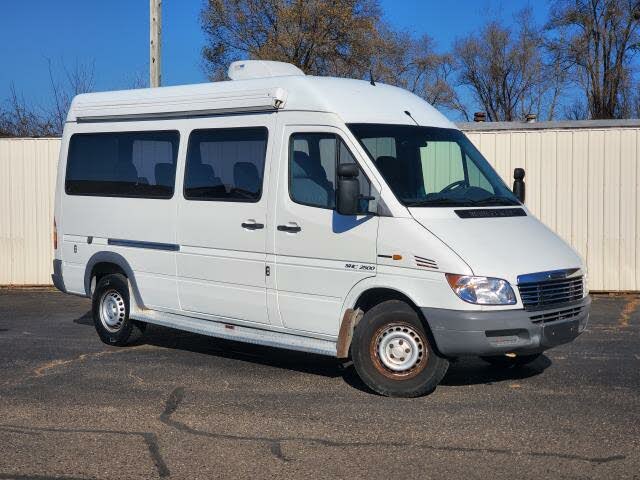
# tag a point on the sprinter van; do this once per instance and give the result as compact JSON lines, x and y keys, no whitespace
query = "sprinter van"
{"x":339,"y":217}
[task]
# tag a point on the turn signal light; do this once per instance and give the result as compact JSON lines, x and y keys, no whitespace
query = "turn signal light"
{"x":55,"y":235}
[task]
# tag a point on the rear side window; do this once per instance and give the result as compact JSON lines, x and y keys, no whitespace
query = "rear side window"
{"x":226,"y":164}
{"x":122,"y":164}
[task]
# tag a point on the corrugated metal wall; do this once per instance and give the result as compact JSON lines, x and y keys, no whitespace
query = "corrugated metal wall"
{"x":582,"y":182}
{"x":27,"y":185}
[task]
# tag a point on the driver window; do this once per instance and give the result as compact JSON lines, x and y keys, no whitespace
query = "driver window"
{"x":313,"y":160}
{"x":441,"y":165}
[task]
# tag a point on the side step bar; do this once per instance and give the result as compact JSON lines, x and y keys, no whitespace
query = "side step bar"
{"x":227,"y":331}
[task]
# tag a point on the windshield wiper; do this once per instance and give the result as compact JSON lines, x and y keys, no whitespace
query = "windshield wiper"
{"x":441,"y":202}
{"x":467,"y":202}
{"x":496,"y":200}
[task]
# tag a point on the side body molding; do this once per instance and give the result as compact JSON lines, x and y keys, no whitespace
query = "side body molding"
{"x":116,"y":259}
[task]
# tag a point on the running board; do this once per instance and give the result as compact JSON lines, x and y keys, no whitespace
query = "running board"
{"x":227,"y":331}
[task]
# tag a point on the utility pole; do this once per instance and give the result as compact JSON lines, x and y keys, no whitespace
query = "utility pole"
{"x":155,"y":34}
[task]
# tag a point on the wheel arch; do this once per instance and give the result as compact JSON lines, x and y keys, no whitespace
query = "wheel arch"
{"x":367,"y":294}
{"x":104,"y":263}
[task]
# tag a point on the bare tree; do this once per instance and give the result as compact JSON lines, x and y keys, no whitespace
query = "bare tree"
{"x":18,"y":119}
{"x":321,"y":37}
{"x":74,"y":81}
{"x":596,"y":40}
{"x":415,"y":65}
{"x":507,"y":72}
{"x":336,"y":38}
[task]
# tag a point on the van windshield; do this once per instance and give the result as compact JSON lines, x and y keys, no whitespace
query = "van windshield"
{"x":432,"y":167}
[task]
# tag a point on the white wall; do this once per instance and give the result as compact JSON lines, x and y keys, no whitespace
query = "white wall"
{"x":27,"y":185}
{"x":582,"y":182}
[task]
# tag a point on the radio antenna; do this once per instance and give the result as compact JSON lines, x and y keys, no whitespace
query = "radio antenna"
{"x":408,"y":113}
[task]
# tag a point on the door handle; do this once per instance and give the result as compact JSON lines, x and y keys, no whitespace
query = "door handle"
{"x":289,"y":228}
{"x":252,"y":225}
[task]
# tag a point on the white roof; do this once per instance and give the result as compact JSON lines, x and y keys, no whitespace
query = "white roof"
{"x":355,"y":101}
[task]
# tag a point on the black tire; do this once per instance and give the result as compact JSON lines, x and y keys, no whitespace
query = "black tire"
{"x":386,"y":322}
{"x":503,"y":361}
{"x":117,"y":329}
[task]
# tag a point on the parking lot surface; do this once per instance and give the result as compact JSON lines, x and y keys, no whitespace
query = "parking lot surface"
{"x":178,"y":405}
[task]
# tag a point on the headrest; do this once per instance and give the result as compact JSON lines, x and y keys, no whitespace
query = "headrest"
{"x":199,"y":175}
{"x":165,"y":174}
{"x":246,"y":176}
{"x":385,"y":162}
{"x":301,"y":165}
{"x":125,"y":171}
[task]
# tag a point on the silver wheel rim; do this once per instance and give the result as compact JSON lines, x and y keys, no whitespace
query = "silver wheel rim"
{"x":112,"y":311}
{"x":400,"y":348}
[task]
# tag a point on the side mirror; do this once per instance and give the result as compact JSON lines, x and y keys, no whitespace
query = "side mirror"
{"x":348,"y":192}
{"x":518,"y":183}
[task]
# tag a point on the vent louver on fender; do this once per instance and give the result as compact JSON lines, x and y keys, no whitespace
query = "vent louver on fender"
{"x":425,"y":262}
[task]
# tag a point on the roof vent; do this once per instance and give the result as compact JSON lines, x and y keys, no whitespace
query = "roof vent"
{"x":248,"y":69}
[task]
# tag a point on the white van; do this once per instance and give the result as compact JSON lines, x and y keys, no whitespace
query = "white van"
{"x":334,"y":216}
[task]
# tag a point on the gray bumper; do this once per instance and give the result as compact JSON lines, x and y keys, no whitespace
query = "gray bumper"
{"x":56,"y":278}
{"x":461,"y":332}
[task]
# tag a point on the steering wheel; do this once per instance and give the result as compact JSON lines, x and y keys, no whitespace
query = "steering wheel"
{"x":452,"y":186}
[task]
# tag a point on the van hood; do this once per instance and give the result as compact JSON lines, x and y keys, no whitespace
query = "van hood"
{"x":500,"y":247}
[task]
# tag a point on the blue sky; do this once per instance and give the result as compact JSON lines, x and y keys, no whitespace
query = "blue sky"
{"x":113,"y":34}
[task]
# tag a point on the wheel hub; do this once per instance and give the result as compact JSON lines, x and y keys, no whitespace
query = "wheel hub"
{"x":112,"y":311}
{"x":400,"y":348}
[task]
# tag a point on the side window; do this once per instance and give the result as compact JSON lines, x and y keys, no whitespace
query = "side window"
{"x":313,"y":160}
{"x":311,"y":154}
{"x":226,"y":164}
{"x":122,"y":164}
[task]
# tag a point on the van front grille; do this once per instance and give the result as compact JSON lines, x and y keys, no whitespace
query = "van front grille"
{"x":557,"y":315}
{"x":550,"y":292}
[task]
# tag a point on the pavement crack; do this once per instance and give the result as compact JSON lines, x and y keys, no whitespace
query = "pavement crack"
{"x":154,"y":450}
{"x":275,"y":444}
{"x":150,"y":440}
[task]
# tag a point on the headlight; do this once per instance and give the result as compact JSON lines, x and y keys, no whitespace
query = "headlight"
{"x":482,"y":290}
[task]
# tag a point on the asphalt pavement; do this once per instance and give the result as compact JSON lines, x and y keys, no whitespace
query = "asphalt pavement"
{"x":178,"y":405}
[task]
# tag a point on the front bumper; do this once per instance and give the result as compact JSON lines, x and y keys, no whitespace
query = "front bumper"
{"x":461,"y":332}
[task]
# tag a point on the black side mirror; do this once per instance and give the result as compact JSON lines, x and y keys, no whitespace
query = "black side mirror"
{"x":348,"y":192}
{"x":518,"y":183}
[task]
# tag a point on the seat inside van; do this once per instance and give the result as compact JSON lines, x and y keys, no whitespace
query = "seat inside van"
{"x":310,"y":184}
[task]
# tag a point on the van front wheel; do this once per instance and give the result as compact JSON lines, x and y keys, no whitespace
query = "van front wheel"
{"x":110,"y":307}
{"x":393,"y":354}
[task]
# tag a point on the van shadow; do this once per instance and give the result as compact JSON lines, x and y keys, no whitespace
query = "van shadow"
{"x":272,"y":357}
{"x":464,"y":372}
{"x":474,"y":371}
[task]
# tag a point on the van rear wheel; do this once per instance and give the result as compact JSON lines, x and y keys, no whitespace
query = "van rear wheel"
{"x":393,"y":353}
{"x":110,"y":307}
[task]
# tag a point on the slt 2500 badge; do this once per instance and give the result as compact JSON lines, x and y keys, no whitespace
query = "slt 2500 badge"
{"x":359,"y":266}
